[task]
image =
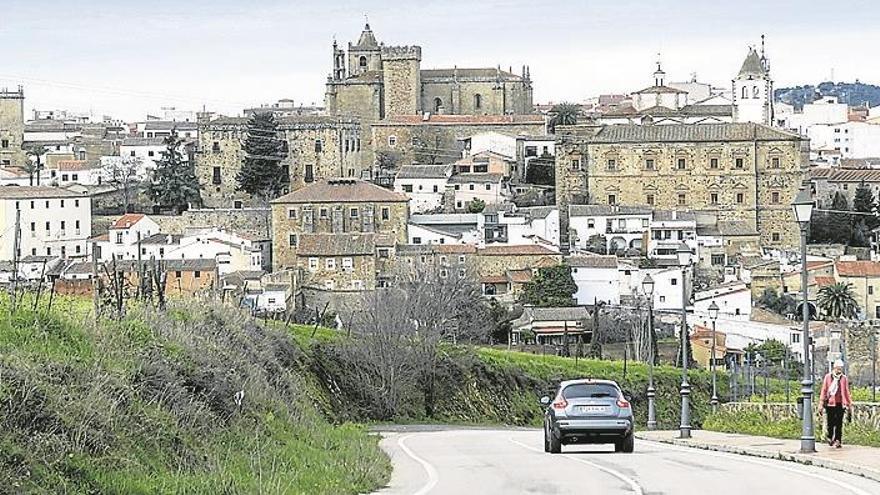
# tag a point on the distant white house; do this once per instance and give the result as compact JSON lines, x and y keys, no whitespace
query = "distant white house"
{"x":733,"y":299}
{"x":668,"y":229}
{"x":445,"y":228}
{"x":596,"y":278}
{"x":489,"y":188}
{"x":121,"y":239}
{"x":424,"y":185}
{"x":517,"y":226}
{"x":148,"y":150}
{"x":53,"y":221}
{"x":624,"y":227}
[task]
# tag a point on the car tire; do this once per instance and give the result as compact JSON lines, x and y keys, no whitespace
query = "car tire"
{"x":555,"y":444}
{"x":626,"y":445}
{"x":546,"y":440}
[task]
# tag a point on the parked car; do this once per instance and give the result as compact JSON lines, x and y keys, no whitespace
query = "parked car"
{"x":588,"y":412}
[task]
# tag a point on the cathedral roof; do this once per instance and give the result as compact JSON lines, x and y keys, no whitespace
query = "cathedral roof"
{"x":659,"y":89}
{"x":367,"y":41}
{"x":488,"y":72}
{"x":631,"y":133}
{"x":752,"y":66}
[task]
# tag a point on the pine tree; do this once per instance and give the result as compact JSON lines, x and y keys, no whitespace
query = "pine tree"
{"x":173,"y":184}
{"x":864,"y":202}
{"x":262,"y":175}
{"x":840,"y":229}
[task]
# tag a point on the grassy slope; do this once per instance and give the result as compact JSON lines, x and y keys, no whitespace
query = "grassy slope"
{"x":146,"y":405}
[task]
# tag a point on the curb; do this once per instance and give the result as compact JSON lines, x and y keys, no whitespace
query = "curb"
{"x":805,"y":459}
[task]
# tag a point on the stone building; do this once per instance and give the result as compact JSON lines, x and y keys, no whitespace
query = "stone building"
{"x":351,"y":262}
{"x":336,"y":206}
{"x":373,"y":81}
{"x":735,"y":171}
{"x":11,"y":127}
{"x":317,"y":148}
{"x":440,"y":138}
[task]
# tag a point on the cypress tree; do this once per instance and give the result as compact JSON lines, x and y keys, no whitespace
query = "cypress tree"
{"x":262,"y":175}
{"x":864,"y":202}
{"x":173,"y":184}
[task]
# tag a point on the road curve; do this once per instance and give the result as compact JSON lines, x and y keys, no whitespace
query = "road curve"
{"x":512,"y":461}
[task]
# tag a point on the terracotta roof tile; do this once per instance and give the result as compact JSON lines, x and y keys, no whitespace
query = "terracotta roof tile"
{"x":858,"y":268}
{"x":459,"y":120}
{"x":127,"y":220}
{"x":520,"y":250}
{"x":342,"y":191}
{"x":824,"y":281}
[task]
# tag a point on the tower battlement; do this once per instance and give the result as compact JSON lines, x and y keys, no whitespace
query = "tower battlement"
{"x":402,"y":53}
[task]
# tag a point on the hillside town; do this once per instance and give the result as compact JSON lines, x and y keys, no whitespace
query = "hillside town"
{"x":458,"y":169}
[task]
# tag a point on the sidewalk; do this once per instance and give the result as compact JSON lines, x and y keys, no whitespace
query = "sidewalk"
{"x":852,"y":459}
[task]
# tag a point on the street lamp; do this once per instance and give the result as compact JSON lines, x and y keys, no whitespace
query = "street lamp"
{"x":684,"y":259}
{"x":713,"y":315}
{"x":648,"y":288}
{"x":803,"y":210}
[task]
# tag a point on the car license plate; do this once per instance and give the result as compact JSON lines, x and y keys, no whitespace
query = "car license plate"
{"x":594,"y":409}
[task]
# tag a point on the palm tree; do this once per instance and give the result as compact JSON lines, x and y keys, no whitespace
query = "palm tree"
{"x":838,"y":301}
{"x":35,"y":151}
{"x":564,"y":114}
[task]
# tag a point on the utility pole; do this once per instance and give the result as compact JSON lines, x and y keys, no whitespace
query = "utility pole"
{"x":874,"y":365}
{"x":16,"y":247}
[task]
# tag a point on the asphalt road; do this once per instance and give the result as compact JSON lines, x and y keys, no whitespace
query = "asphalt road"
{"x":492,"y":461}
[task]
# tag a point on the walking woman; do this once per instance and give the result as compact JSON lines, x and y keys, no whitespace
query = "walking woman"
{"x":837,"y":401}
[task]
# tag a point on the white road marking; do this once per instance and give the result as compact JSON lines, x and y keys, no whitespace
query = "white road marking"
{"x":633,"y":484}
{"x":433,"y":478}
{"x":752,"y":460}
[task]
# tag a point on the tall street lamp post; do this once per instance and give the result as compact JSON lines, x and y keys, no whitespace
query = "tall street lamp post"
{"x":803,"y":210}
{"x":713,"y":315}
{"x":684,"y":258}
{"x":648,"y":287}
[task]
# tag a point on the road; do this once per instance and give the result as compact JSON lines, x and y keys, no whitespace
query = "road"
{"x":506,"y":462}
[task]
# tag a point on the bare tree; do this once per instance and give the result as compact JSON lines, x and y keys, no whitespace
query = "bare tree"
{"x":125,"y":173}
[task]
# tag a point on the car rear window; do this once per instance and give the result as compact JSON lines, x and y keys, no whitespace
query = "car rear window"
{"x":590,"y":390}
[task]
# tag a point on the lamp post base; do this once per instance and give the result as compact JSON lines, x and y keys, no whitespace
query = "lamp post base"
{"x":685,"y":428}
{"x":714,"y":403}
{"x":652,"y":414}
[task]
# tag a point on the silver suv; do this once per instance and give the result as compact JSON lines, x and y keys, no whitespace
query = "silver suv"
{"x":588,"y":411}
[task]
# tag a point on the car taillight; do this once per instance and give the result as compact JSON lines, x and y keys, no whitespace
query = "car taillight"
{"x":622,"y":404}
{"x":560,"y":404}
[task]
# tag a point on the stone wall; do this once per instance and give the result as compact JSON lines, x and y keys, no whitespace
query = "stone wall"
{"x":359,"y":99}
{"x":11,"y":127}
{"x":363,"y":269}
{"x":401,"y":74}
{"x":253,"y":222}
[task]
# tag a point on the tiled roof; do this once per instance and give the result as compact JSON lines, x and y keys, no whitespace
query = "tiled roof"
{"x":752,"y":66}
{"x":858,"y":268}
{"x":631,"y":133}
{"x":410,"y":249}
{"x":488,"y":72}
{"x":162,"y":239}
{"x":432,"y":119}
{"x":518,"y":250}
{"x":555,"y":314}
{"x":519,"y":276}
{"x":73,"y":165}
{"x":35,"y":192}
{"x":127,"y":220}
{"x":424,"y":172}
{"x":597,"y":261}
{"x":478,"y":177}
{"x":847,"y":175}
{"x":140,"y":141}
{"x":674,"y":216}
{"x":336,"y":244}
{"x":341,"y":191}
{"x":607,"y":210}
{"x":823,"y":281}
{"x":707,"y":110}
{"x":736,"y":228}
{"x":166,"y":125}
{"x":536,"y":211}
{"x":660,"y":89}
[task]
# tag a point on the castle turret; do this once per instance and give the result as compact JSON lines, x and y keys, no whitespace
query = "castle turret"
{"x":366,"y":55}
{"x":401,"y":70}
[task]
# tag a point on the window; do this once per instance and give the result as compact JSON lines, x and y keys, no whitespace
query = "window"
{"x":329,"y":284}
{"x":151,"y":153}
{"x":682,"y":199}
{"x":197,"y":274}
{"x":291,"y":240}
{"x":870,"y":290}
{"x":673,"y":281}
{"x":309,"y":173}
{"x":238,"y":205}
{"x":612,"y":199}
{"x":319,"y":145}
{"x":33,"y":226}
{"x":576,"y":164}
{"x":4,"y":143}
{"x":384,"y":253}
{"x":740,"y":198}
{"x":215,"y":148}
{"x":357,"y":284}
{"x":470,"y":187}
{"x":436,"y":189}
{"x":63,"y":223}
{"x":478,"y":101}
{"x":739,"y":162}
{"x":713,"y":198}
{"x":745,"y":92}
{"x":717,"y":259}
{"x":649,"y":199}
{"x":291,"y":213}
{"x":392,"y":141}
{"x":591,"y":223}
{"x":775,"y":236}
{"x":48,"y":251}
{"x":353,"y":212}
{"x":76,"y":225}
{"x":64,"y":177}
{"x":347,"y":264}
{"x":438,"y":105}
{"x":362,"y":62}
{"x":612,"y":164}
{"x":461,"y":259}
{"x":713,"y":163}
{"x":386,"y":212}
{"x":407,"y":188}
{"x":77,"y":249}
{"x":323,"y":213}
{"x":47,"y":226}
{"x":795,"y":338}
{"x":488,"y":187}
{"x":649,"y":164}
{"x":417,"y":240}
{"x":313,"y":264}
{"x":330,"y":264}
{"x":76,"y":204}
{"x":215,"y":179}
{"x":755,"y":91}
{"x":444,"y":273}
{"x":774,"y":162}
{"x":681,"y":164}
{"x":774,"y":197}
{"x":644,"y":223}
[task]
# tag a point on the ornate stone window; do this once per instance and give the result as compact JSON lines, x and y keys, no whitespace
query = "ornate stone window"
{"x":478,"y":101}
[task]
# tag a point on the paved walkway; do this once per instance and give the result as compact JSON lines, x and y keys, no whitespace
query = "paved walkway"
{"x":853,"y":459}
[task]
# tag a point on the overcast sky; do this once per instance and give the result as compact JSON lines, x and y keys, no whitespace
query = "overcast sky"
{"x":126,"y":59}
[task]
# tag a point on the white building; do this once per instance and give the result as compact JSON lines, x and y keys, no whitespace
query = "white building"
{"x":733,"y":299}
{"x":596,"y":278}
{"x":489,"y":188}
{"x":187,"y":131}
{"x":424,"y":185}
{"x":77,"y":172}
{"x":53,"y":221}
{"x":121,"y":239}
{"x":740,"y":333}
{"x":147,"y":150}
{"x":668,"y":229}
{"x":753,"y":90}
{"x":518,"y":226}
{"x":624,"y":227}
{"x":446,"y":228}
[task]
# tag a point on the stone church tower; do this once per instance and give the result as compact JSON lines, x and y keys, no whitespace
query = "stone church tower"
{"x":753,"y":90}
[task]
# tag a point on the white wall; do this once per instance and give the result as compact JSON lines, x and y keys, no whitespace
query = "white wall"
{"x":426,"y":194}
{"x":490,"y":192}
{"x":495,"y":142}
{"x":601,"y":284}
{"x":69,"y":221}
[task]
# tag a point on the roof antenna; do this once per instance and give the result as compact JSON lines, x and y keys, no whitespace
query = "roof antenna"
{"x":366,"y":20}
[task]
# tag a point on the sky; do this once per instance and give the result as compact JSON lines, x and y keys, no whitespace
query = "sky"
{"x":127,"y":59}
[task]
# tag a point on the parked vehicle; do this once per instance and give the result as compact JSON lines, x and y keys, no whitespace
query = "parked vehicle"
{"x":589,"y":412}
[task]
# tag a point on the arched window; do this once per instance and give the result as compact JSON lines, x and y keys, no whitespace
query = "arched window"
{"x":438,"y":104}
{"x":363,"y":62}
{"x":745,"y":92}
{"x":755,"y":91}
{"x":478,"y":101}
